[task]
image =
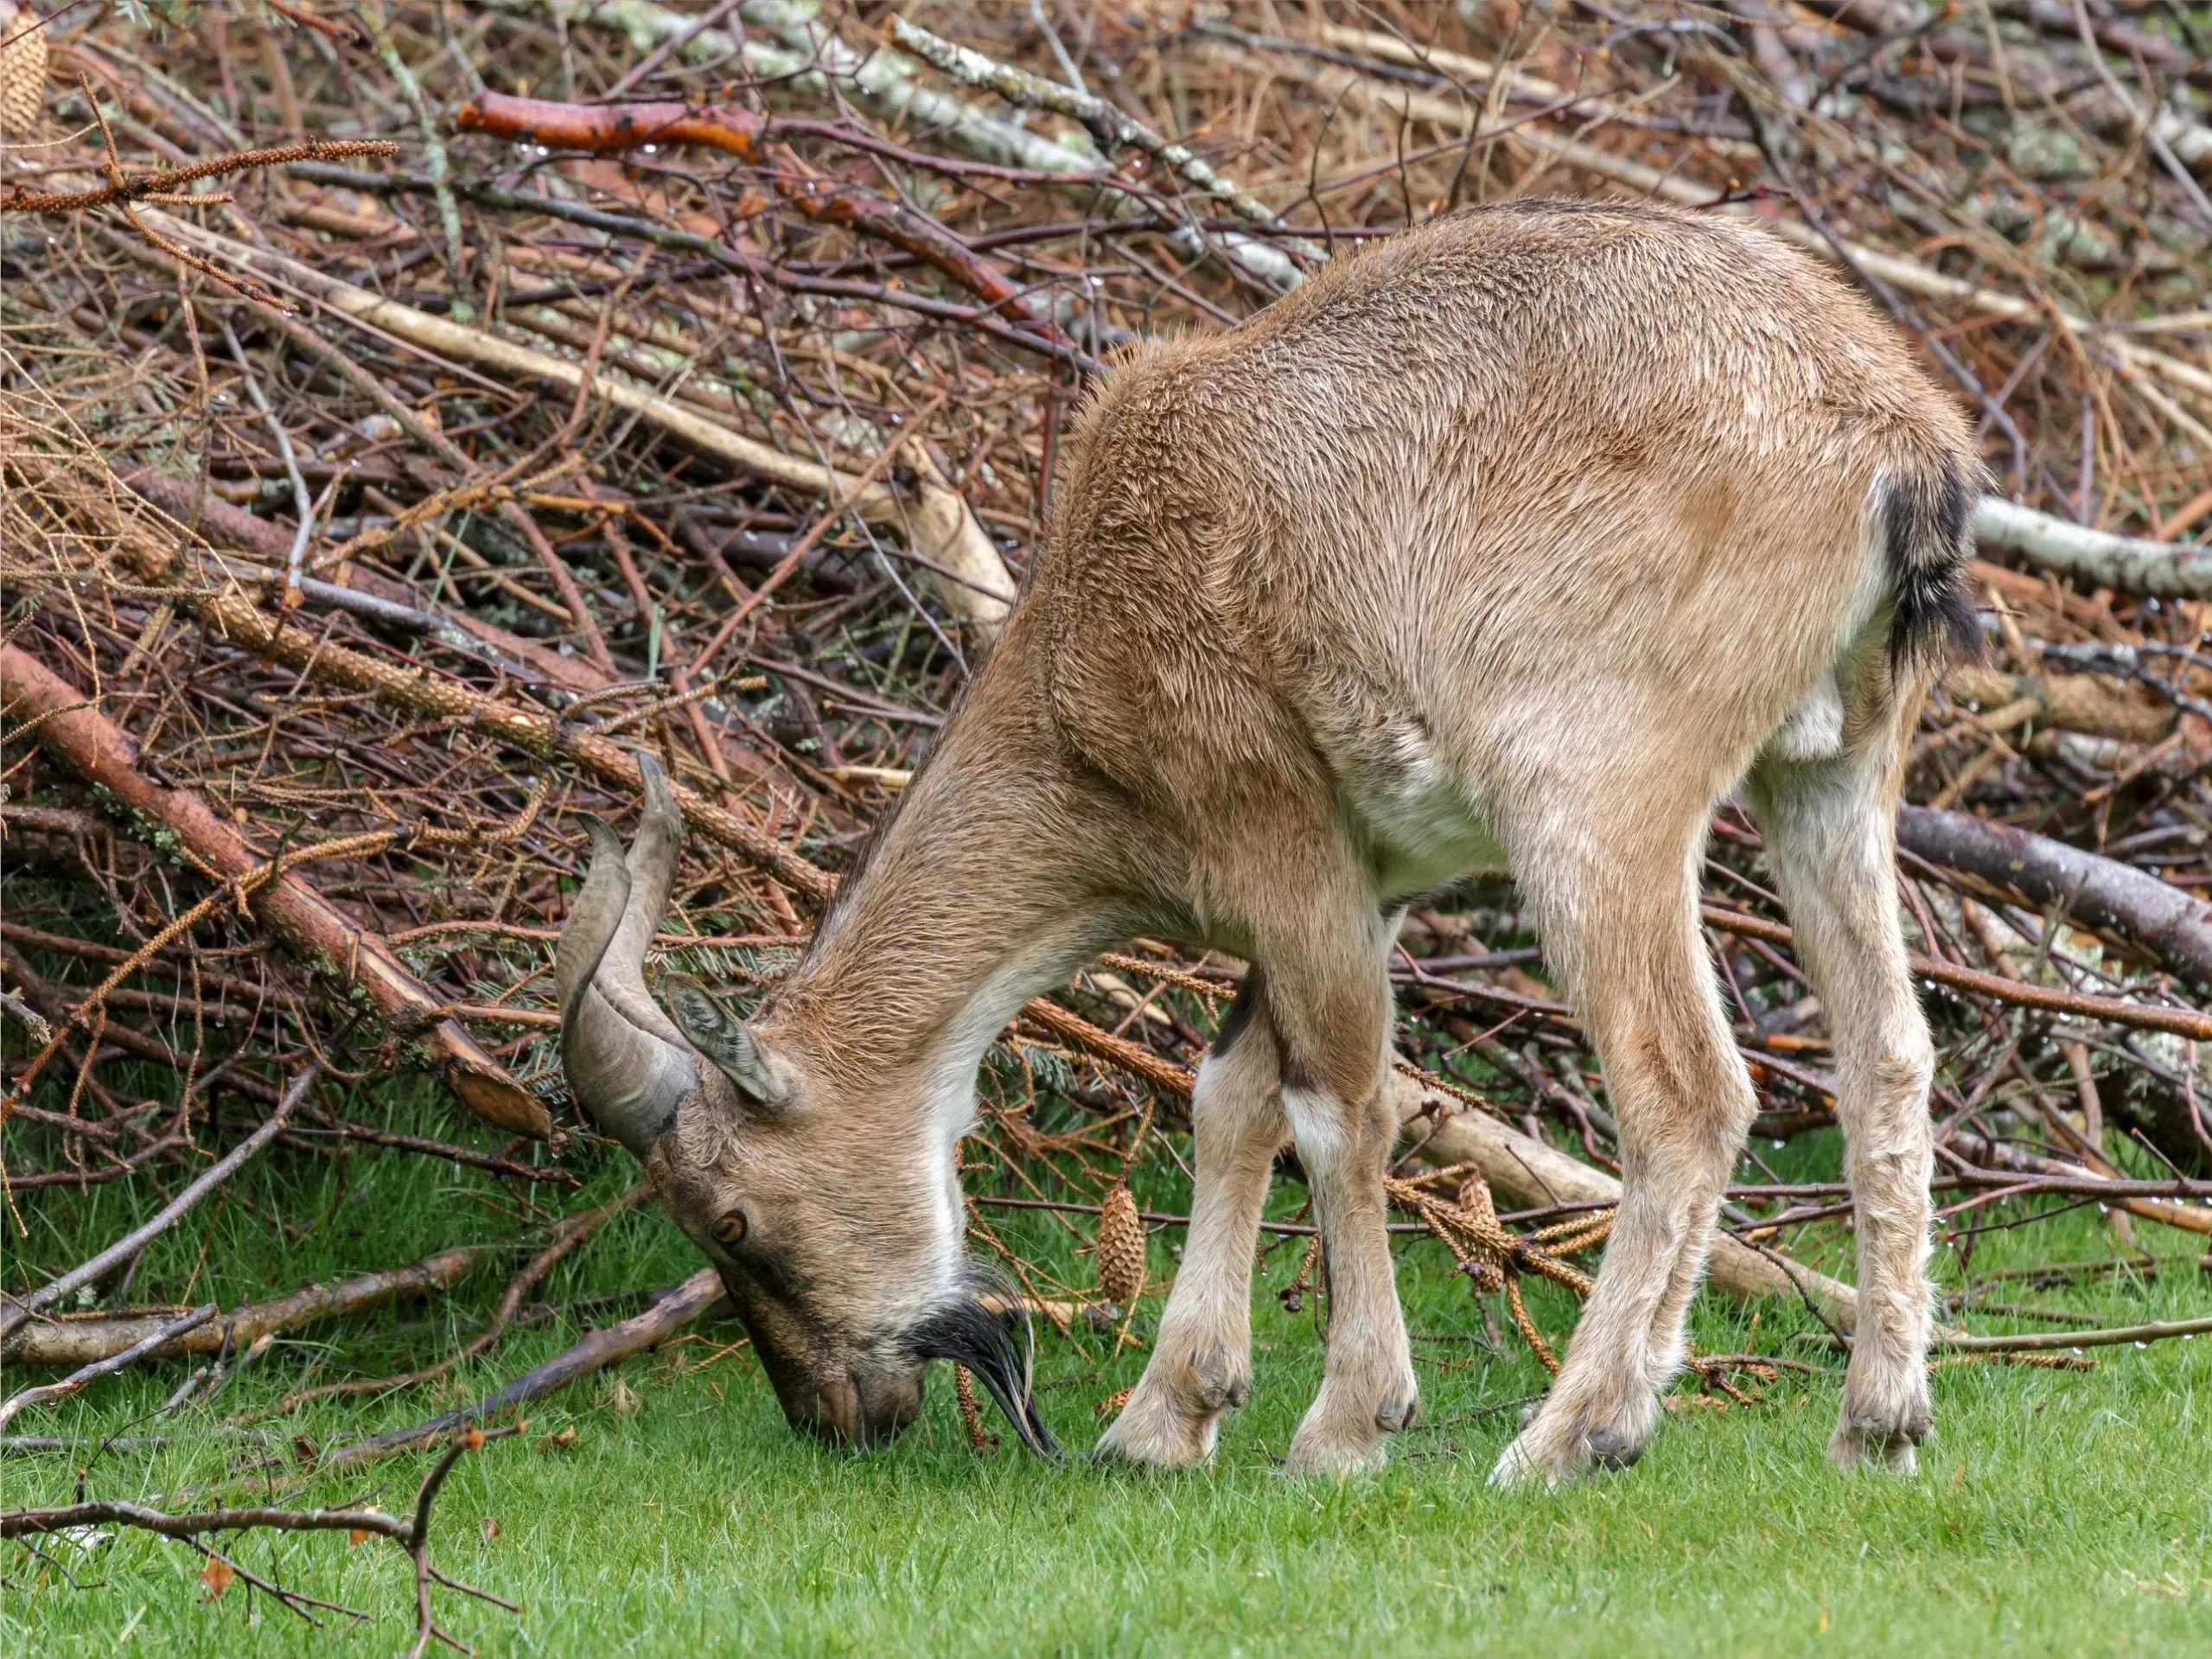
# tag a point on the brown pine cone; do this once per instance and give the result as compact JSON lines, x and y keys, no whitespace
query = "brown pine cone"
{"x":22,"y":70}
{"x":1118,"y":1258}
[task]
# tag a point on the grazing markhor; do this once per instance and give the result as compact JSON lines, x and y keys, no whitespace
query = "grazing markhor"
{"x":1515,"y":541}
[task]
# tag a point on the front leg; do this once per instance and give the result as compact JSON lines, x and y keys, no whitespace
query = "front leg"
{"x":1331,"y":1001}
{"x":1201,"y":1363}
{"x":1367,"y":1388}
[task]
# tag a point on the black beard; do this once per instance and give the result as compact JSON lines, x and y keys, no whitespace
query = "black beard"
{"x":997,"y":1349}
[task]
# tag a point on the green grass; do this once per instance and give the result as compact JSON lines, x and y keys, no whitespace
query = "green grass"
{"x":2059,"y":1512}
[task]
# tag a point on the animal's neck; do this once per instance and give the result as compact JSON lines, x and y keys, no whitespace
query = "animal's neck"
{"x":980,"y":893}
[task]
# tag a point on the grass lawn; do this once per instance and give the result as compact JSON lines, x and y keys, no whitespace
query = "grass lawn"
{"x":2058,"y":1512}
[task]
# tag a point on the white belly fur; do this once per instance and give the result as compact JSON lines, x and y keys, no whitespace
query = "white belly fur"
{"x":1424,"y":831}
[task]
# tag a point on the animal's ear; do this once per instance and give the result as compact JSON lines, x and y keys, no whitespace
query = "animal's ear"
{"x":721,"y":1038}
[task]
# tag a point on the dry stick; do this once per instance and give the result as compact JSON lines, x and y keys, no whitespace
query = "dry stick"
{"x":1133,"y":1057}
{"x":142,"y":187}
{"x":2144,"y":125}
{"x":90,"y":744}
{"x":122,"y":1249}
{"x":2098,"y":893}
{"x":371,"y":593}
{"x":69,"y":1341}
{"x":1908,"y":274}
{"x":1113,"y":129}
{"x":933,"y":517}
{"x":786,"y":41}
{"x":791,"y":561}
{"x":440,"y":166}
{"x":2175,"y":1212}
{"x":569,"y":1236}
{"x":2043,"y":1341}
{"x":1110,"y":125}
{"x":513,"y":1169}
{"x":411,"y":1533}
{"x":580,"y":618}
{"x":541,"y":735}
{"x":1533,"y":1174}
{"x":2182,"y":1022}
{"x":232,"y":615}
{"x":677,"y":1309}
{"x":165,"y":1332}
{"x":538,"y":734}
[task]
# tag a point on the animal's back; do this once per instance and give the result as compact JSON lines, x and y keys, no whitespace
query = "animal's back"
{"x":1474,"y":501}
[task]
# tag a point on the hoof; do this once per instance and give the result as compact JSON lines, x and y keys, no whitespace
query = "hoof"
{"x":1393,"y":1416}
{"x":1560,"y":1446}
{"x":1884,"y":1418}
{"x":1174,"y":1418}
{"x":1857,"y":1445}
{"x":1611,"y":1448}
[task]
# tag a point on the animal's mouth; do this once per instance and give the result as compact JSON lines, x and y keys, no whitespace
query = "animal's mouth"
{"x":994,"y":1343}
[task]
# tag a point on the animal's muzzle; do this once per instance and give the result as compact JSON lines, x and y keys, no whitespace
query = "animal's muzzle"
{"x":862,"y":1409}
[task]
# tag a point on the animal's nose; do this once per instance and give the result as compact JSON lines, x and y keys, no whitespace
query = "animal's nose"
{"x":859,"y":1409}
{"x":889,"y":1403}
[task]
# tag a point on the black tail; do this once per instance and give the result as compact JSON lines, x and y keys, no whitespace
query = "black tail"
{"x":1926,"y":517}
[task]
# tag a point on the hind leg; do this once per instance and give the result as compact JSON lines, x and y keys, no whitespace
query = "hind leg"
{"x":1831,"y":831}
{"x":1202,"y":1361}
{"x":1619,"y":913}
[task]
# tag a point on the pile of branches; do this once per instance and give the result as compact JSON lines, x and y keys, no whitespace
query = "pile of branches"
{"x":407,"y":421}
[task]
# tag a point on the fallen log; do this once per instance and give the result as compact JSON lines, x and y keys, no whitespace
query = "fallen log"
{"x":2126,"y":564}
{"x":106,"y":1364}
{"x":70,"y":728}
{"x":2081,"y":703}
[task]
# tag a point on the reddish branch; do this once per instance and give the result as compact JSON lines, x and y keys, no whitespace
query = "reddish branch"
{"x":82,"y":738}
{"x":601,"y":129}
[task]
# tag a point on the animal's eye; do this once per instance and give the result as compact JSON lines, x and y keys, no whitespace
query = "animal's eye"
{"x":729,"y":1226}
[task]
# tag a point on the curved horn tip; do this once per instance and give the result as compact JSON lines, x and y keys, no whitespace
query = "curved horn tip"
{"x":660,"y":799}
{"x":594,"y":916}
{"x":604,"y":838}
